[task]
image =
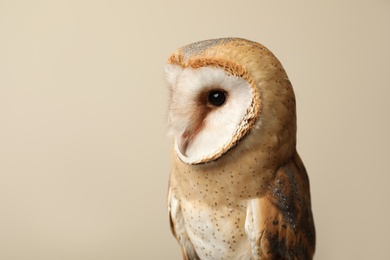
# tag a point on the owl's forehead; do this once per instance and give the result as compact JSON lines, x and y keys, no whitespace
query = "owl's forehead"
{"x":235,"y":55}
{"x":197,"y":48}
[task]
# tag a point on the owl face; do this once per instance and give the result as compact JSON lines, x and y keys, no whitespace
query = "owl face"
{"x":207,"y":108}
{"x":229,"y":93}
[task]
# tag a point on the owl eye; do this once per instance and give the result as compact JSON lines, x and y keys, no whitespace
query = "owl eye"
{"x":217,"y":98}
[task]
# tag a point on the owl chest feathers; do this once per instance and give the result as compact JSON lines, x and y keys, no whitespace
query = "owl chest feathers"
{"x":214,"y":202}
{"x":216,"y":232}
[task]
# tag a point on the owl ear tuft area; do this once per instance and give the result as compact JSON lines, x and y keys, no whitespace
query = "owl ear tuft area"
{"x":172,"y":72}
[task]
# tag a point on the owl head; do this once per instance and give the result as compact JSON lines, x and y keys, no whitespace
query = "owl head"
{"x":229,"y":95}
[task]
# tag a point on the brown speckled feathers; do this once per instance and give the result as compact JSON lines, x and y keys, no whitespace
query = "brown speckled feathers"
{"x":288,"y":222}
{"x":238,"y":188}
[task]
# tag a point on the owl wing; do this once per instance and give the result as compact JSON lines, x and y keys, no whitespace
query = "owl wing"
{"x":178,"y":229}
{"x":280,"y":224}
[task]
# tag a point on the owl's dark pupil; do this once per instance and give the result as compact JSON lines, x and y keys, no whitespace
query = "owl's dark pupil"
{"x":217,"y":98}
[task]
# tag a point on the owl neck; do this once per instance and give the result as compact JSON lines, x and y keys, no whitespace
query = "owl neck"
{"x":250,"y":168}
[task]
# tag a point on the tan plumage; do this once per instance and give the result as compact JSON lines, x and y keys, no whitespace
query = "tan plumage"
{"x":238,"y":189}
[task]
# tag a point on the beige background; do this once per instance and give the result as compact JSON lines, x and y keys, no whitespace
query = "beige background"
{"x":83,"y":152}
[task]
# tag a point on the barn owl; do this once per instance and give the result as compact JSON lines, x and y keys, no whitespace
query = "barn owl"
{"x":238,"y":188}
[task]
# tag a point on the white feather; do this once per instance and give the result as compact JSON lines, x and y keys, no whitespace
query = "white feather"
{"x":172,"y":72}
{"x":220,"y":124}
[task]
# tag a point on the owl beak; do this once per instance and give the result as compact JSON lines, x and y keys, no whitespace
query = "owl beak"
{"x":188,"y":136}
{"x":183,"y":143}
